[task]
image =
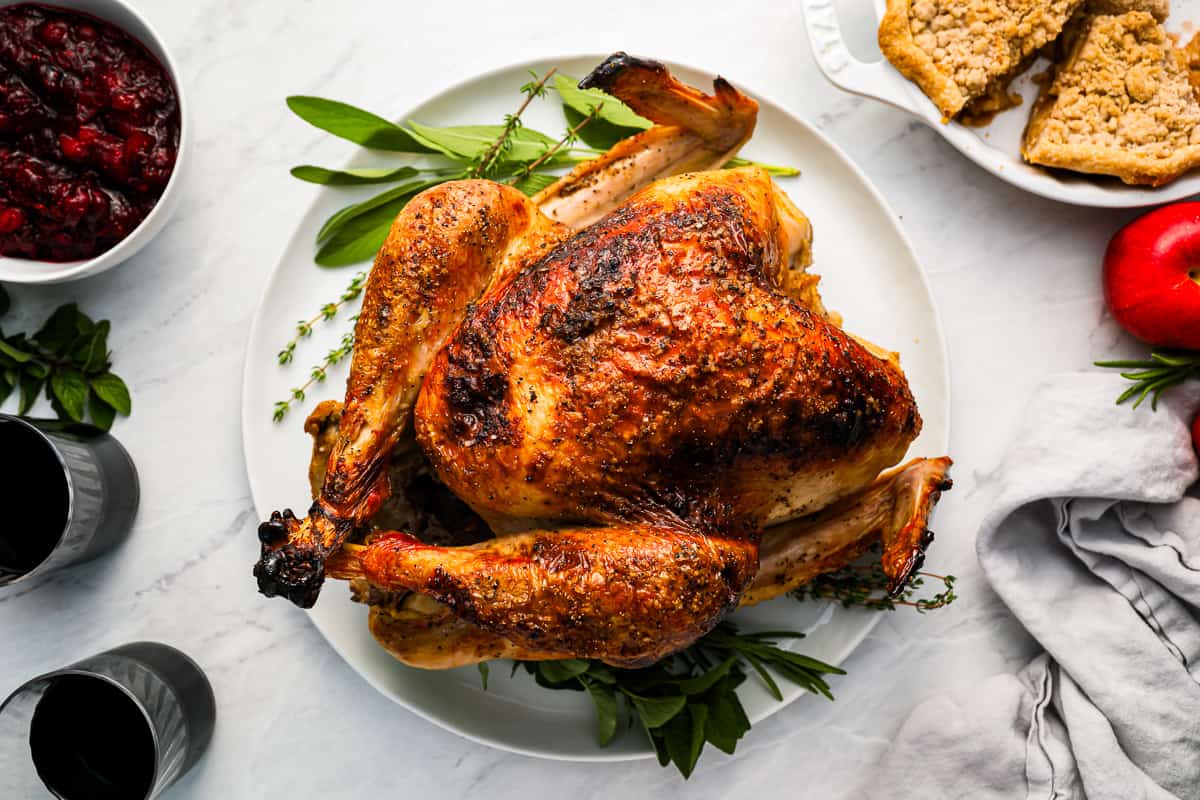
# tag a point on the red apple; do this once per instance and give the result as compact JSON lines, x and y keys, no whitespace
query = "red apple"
{"x":1152,"y":277}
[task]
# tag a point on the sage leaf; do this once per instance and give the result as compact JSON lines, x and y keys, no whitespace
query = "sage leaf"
{"x":657,"y":711}
{"x":360,"y":237}
{"x":357,"y":232}
{"x":6,"y":387}
{"x":113,"y":391}
{"x":352,"y":177}
{"x":534,"y":182}
{"x":335,"y":222}
{"x":102,"y":413}
{"x":470,"y":142}
{"x":482,"y":666}
{"x":604,"y":698}
{"x":71,"y":390}
{"x":772,"y":169}
{"x":355,"y":125}
{"x":597,"y":134}
{"x":612,"y":110}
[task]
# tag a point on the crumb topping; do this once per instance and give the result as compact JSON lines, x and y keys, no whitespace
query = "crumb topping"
{"x":979,"y":42}
{"x":1125,"y":87}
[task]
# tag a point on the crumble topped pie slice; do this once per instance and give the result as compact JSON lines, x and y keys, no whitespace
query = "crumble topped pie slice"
{"x":961,"y":50}
{"x":1121,"y":103}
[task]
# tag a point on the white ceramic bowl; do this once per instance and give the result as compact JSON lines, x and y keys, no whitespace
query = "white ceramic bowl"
{"x":995,"y":147}
{"x":25,"y":270}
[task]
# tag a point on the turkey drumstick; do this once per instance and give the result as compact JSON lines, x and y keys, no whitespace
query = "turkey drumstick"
{"x":444,"y":250}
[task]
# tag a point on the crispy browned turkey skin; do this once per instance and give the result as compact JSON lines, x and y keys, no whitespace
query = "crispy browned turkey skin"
{"x":628,"y":406}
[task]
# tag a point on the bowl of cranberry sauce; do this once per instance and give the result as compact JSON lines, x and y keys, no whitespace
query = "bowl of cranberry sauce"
{"x":93,"y":136}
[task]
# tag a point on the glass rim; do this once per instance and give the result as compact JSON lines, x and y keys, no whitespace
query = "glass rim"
{"x":75,"y":670}
{"x":27,"y":423}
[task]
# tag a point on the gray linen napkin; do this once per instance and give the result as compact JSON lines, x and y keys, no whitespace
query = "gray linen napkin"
{"x":1095,"y":548}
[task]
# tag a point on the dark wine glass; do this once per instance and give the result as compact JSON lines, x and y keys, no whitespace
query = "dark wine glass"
{"x":69,"y":493}
{"x":122,"y":725}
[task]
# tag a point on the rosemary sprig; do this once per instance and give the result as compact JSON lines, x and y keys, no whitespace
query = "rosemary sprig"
{"x":866,"y":585}
{"x":536,"y":88}
{"x":304,"y":327}
{"x":1155,"y":375}
{"x":317,"y":374}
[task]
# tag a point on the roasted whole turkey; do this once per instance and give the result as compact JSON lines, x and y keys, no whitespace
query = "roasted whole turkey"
{"x":625,"y":391}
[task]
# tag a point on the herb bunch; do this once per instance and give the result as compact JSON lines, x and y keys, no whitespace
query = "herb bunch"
{"x":510,"y":153}
{"x":689,"y":699}
{"x":1153,"y":376}
{"x":866,"y":585}
{"x":69,"y":359}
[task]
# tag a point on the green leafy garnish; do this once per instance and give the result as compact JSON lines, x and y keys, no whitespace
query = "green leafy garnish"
{"x":1155,"y":375}
{"x":471,"y":142}
{"x":352,"y":177}
{"x":609,"y":109}
{"x":68,"y":358}
{"x":357,"y":232}
{"x":866,"y":585}
{"x":688,"y":699}
{"x":614,"y":120}
{"x":354,"y":124}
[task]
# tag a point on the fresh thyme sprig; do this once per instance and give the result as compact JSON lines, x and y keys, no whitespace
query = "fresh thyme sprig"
{"x":866,"y":585}
{"x":535,"y":88}
{"x":1155,"y":375}
{"x":304,"y":328}
{"x":569,"y":138}
{"x":317,"y":374}
{"x":689,"y":699}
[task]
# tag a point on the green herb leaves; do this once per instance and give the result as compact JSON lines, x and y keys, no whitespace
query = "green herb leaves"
{"x":354,"y":124}
{"x":68,"y":358}
{"x":609,"y":109}
{"x":614,"y":120}
{"x":509,"y":152}
{"x":356,"y":233}
{"x":352,"y":177}
{"x":1154,"y":376}
{"x":688,"y":699}
{"x":865,"y":585}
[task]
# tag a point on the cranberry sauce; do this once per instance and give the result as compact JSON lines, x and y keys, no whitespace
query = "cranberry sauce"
{"x":89,"y":131}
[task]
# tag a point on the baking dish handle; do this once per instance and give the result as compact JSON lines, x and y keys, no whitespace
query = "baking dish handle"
{"x":871,"y":79}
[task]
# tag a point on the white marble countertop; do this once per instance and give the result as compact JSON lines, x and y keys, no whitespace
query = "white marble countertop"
{"x":1016,"y":278}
